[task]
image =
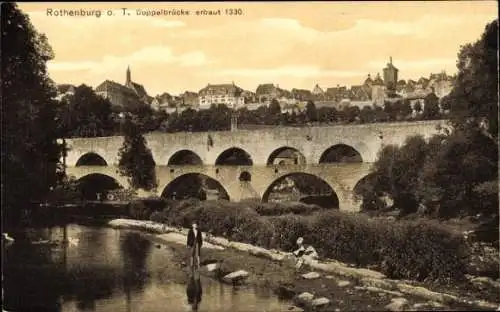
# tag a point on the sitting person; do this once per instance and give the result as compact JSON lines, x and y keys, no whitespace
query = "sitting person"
{"x":304,"y":254}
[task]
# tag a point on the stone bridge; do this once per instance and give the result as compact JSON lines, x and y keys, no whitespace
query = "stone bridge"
{"x":260,"y":147}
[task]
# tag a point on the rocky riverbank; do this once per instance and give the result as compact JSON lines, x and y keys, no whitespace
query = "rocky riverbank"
{"x":328,"y":285}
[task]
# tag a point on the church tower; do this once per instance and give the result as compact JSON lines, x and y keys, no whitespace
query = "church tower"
{"x":128,"y":81}
{"x":390,"y":75}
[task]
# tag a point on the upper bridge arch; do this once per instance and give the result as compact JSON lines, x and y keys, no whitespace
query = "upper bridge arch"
{"x":185,"y":157}
{"x":340,"y":153}
{"x":91,"y":159}
{"x":234,"y":156}
{"x":286,"y":155}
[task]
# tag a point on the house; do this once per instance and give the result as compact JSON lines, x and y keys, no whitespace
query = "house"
{"x":162,"y":101}
{"x":189,"y":99}
{"x":302,"y":95}
{"x":267,"y":92}
{"x":228,"y":94}
{"x":249,"y":96}
{"x":125,"y":96}
{"x":318,"y":93}
{"x":359,"y":93}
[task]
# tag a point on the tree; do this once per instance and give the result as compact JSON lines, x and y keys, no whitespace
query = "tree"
{"x":136,"y":160}
{"x":406,"y":108}
{"x":366,"y":114}
{"x":431,"y":106}
{"x":86,"y":114}
{"x":311,"y":112}
{"x":351,"y":113}
{"x":475,"y":92}
{"x":274,"y":108}
{"x":30,"y":153}
{"x":397,"y":171}
{"x":417,"y":107}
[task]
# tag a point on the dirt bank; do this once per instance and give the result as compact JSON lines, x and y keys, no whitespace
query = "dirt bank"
{"x":343,"y":292}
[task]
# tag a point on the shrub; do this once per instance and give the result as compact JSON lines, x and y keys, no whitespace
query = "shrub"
{"x":278,"y":209}
{"x":287,"y":229}
{"x":418,"y":249}
{"x":424,"y":250}
{"x":138,"y":210}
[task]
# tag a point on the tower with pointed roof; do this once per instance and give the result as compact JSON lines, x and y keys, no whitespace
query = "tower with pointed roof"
{"x":390,"y":75}
{"x":128,"y":79}
{"x":378,"y":91}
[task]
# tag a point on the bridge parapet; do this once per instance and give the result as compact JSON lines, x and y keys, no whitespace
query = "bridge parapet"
{"x":367,"y":139}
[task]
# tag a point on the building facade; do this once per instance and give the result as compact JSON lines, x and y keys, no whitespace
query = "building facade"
{"x":228,"y":94}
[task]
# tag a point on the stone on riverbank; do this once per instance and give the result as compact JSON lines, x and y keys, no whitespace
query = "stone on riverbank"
{"x":236,"y":276}
{"x":483,"y":282}
{"x":379,"y":290}
{"x":343,"y":283}
{"x":427,"y":294}
{"x":304,"y":298}
{"x":311,"y":275}
{"x":212,"y":267}
{"x":397,"y":304}
{"x":291,"y":309}
{"x":320,"y":302}
{"x":430,"y":305}
{"x":379,"y":283}
{"x":337,"y":268}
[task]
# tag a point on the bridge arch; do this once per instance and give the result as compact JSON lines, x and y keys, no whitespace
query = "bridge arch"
{"x":286,"y":155}
{"x":91,"y":159}
{"x":93,"y":183}
{"x":340,"y":153}
{"x":234,"y":156}
{"x":184,"y":157}
{"x":305,"y":183}
{"x":194,"y":185}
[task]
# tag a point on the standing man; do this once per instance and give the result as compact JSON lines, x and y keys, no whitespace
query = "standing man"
{"x":194,"y":241}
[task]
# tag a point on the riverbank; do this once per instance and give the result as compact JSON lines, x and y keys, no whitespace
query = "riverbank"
{"x":342,"y":286}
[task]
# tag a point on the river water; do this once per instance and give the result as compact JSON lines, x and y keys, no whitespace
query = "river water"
{"x":104,"y":269}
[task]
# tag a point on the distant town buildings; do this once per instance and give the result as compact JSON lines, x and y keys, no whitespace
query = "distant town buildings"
{"x":128,"y":95}
{"x":374,"y":90}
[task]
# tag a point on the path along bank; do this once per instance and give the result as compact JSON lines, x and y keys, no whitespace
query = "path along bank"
{"x":327,"y":285}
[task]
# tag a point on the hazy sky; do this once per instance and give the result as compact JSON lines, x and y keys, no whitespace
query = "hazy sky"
{"x":292,"y":44}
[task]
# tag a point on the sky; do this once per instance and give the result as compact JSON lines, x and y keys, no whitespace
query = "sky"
{"x":291,"y":44}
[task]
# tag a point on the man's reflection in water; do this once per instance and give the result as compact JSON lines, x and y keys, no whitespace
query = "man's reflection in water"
{"x":194,"y":290}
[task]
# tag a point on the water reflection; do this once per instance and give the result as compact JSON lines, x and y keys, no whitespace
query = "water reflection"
{"x":194,"y":290}
{"x":111,"y":270}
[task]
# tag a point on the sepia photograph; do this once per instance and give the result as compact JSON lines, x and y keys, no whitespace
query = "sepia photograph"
{"x":250,"y":156}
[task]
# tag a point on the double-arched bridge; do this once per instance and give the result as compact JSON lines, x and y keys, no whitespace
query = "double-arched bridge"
{"x":250,"y":163}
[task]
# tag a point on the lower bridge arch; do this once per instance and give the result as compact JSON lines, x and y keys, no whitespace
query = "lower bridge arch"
{"x":93,"y":184}
{"x":304,"y":187}
{"x":195,"y":185}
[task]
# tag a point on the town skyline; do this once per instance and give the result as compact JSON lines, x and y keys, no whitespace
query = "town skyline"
{"x":290,"y":45}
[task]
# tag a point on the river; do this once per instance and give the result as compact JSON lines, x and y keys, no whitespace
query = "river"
{"x":105,"y":269}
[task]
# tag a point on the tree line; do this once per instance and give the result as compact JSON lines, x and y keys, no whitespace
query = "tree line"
{"x":86,"y":114}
